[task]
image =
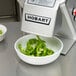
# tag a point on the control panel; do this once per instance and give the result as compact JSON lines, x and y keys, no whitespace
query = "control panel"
{"x":46,"y":3}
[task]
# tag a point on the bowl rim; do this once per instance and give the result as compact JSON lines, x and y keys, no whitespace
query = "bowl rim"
{"x":17,"y":51}
{"x":3,"y":26}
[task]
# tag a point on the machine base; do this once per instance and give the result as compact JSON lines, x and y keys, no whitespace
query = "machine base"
{"x":68,"y":43}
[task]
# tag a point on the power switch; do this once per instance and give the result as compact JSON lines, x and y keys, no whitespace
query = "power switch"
{"x":74,"y":13}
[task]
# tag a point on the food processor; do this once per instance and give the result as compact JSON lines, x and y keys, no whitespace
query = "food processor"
{"x":50,"y":18}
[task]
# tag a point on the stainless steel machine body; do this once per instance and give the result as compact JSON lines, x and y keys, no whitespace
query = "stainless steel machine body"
{"x":64,"y":27}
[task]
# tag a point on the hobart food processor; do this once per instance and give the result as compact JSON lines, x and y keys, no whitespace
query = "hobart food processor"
{"x":49,"y":18}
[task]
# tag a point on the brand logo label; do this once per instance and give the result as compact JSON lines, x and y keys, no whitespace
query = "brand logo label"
{"x":37,"y":19}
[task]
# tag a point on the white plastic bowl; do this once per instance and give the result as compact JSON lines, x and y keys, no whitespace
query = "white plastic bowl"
{"x":4,"y":30}
{"x":53,"y":43}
